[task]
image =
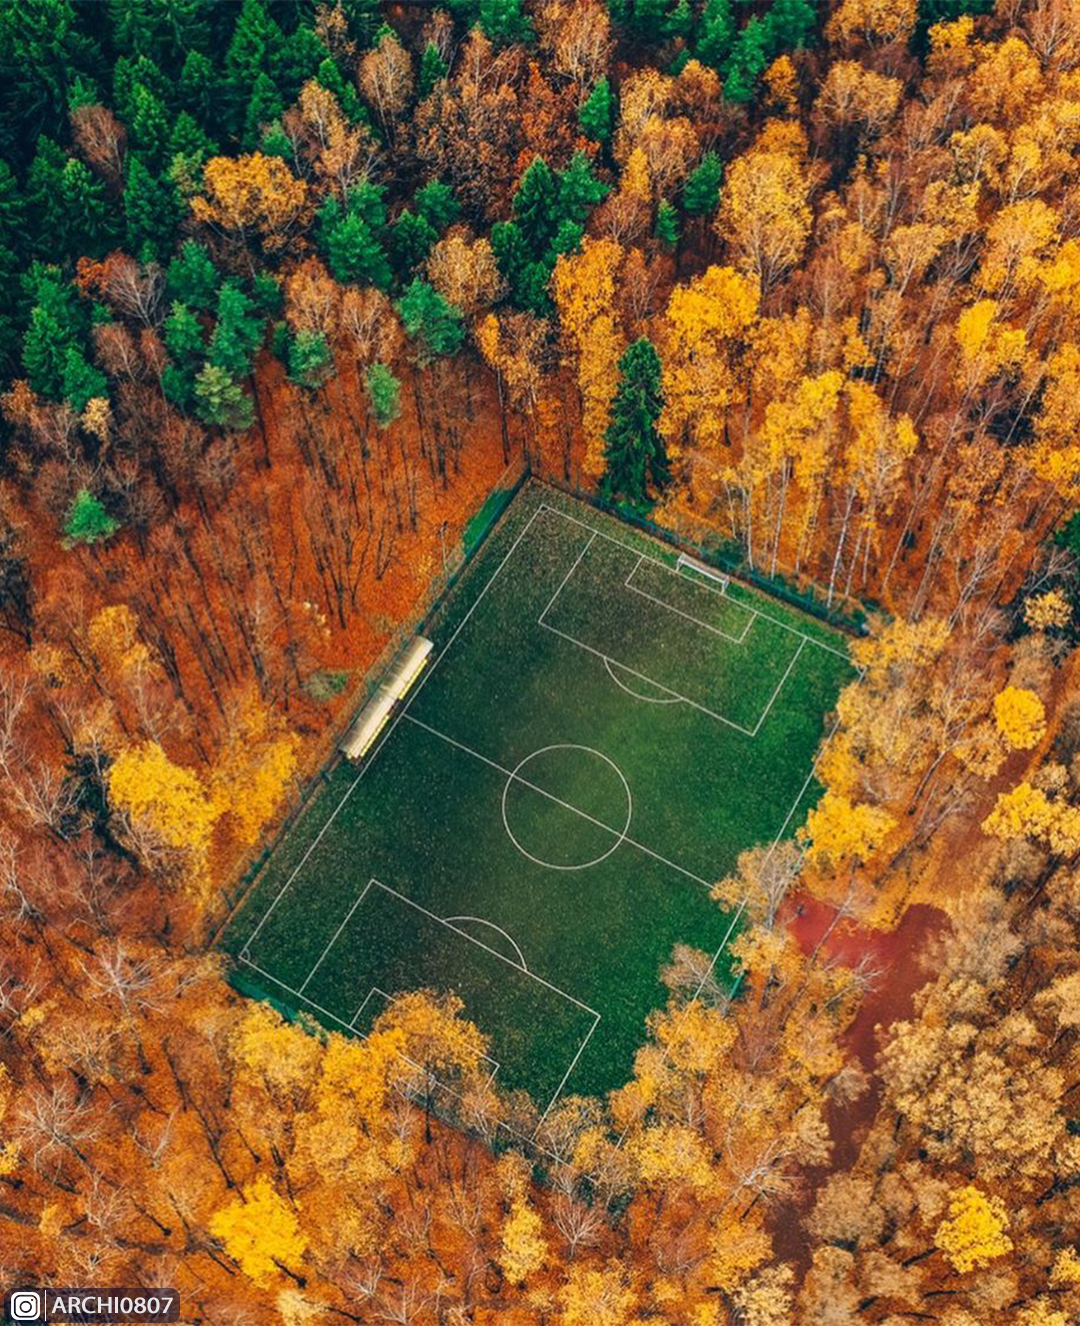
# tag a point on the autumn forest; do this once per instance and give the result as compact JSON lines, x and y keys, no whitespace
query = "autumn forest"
{"x":287,"y":289}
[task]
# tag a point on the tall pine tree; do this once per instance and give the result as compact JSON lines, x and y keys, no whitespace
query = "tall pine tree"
{"x":635,"y":456}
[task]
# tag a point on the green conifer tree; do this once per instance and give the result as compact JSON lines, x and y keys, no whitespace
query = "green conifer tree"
{"x":411,"y":238}
{"x":152,"y":211}
{"x":188,"y":140}
{"x":384,"y":394}
{"x":354,"y":253}
{"x":87,"y":520}
{"x":535,"y":206}
{"x":47,"y":221}
{"x":221,"y":401}
{"x":264,"y":107}
{"x":56,"y":324}
{"x":363,"y":18}
{"x":200,"y":89}
{"x":149,"y":126}
{"x":579,"y":190}
{"x":238,"y":332}
{"x":597,"y":112}
{"x":791,"y":24}
{"x":435,"y":324}
{"x":90,"y":215}
{"x":436,"y":203}
{"x":748,"y":60}
{"x":81,"y":380}
{"x":716,"y":33}
{"x":635,"y":456}
{"x":257,"y":47}
{"x":701,"y":192}
{"x":311,"y":362}
{"x":667,"y":224}
{"x":433,"y":68}
{"x":503,"y":22}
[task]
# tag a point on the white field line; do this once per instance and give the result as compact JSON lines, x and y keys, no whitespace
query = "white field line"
{"x":779,"y":686}
{"x":648,"y":699}
{"x":566,"y":1076}
{"x":348,"y":916}
{"x":562,"y":582}
{"x":737,"y":915}
{"x":486,"y":947}
{"x":738,"y":727}
{"x":509,"y":939}
{"x":450,"y":1091}
{"x":509,"y":773}
{"x":351,"y":1025}
{"x":786,"y":626}
{"x":404,"y":709}
{"x":608,"y":659}
{"x":375,"y":990}
{"x":689,"y":616}
{"x":392,"y":999}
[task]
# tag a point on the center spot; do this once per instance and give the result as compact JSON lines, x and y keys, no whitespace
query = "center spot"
{"x":566,"y":807}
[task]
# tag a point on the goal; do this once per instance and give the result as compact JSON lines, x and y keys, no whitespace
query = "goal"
{"x":709,"y":572}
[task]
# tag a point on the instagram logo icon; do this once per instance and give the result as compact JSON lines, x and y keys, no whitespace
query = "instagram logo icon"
{"x":25,"y":1305}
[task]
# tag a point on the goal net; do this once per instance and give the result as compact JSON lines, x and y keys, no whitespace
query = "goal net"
{"x":701,"y":569}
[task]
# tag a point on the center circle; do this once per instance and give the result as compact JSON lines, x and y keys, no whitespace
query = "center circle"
{"x":547,"y":772}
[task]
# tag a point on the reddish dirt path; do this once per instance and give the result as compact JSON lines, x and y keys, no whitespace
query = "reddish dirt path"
{"x":896,"y":954}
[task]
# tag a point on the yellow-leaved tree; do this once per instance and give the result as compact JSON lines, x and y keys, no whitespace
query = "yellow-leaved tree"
{"x":1028,"y":812}
{"x":583,"y":285}
{"x":255,"y":768}
{"x":524,"y":1247}
{"x":840,"y":831}
{"x":703,"y":332}
{"x":168,"y":810}
{"x":251,"y":195}
{"x":1020,"y":717}
{"x":260,"y":1232}
{"x":974,"y":1233}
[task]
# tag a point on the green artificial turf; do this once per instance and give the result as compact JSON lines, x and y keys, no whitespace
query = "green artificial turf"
{"x":598,"y":737}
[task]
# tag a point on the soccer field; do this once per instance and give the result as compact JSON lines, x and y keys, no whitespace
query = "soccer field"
{"x":598,"y":736}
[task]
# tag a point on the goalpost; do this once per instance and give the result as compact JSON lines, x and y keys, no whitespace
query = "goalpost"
{"x":709,"y":572}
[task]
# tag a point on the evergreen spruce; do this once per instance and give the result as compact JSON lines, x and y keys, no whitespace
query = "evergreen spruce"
{"x":411,"y":238}
{"x":667,"y":224}
{"x":716,"y":33}
{"x":310,"y":359}
{"x":635,"y":456}
{"x":384,"y":394}
{"x":579,"y":190}
{"x":81,"y":380}
{"x":433,"y":69}
{"x":220,"y":400}
{"x":87,"y":520}
{"x":701,"y":192}
{"x":535,"y":206}
{"x":152,"y":211}
{"x":90,"y":216}
{"x":437,"y":205}
{"x":503,"y":22}
{"x":434,"y":323}
{"x":598,"y":112}
{"x":748,"y":60}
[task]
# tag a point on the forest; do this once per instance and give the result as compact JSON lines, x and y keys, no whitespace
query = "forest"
{"x":288,"y":288}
